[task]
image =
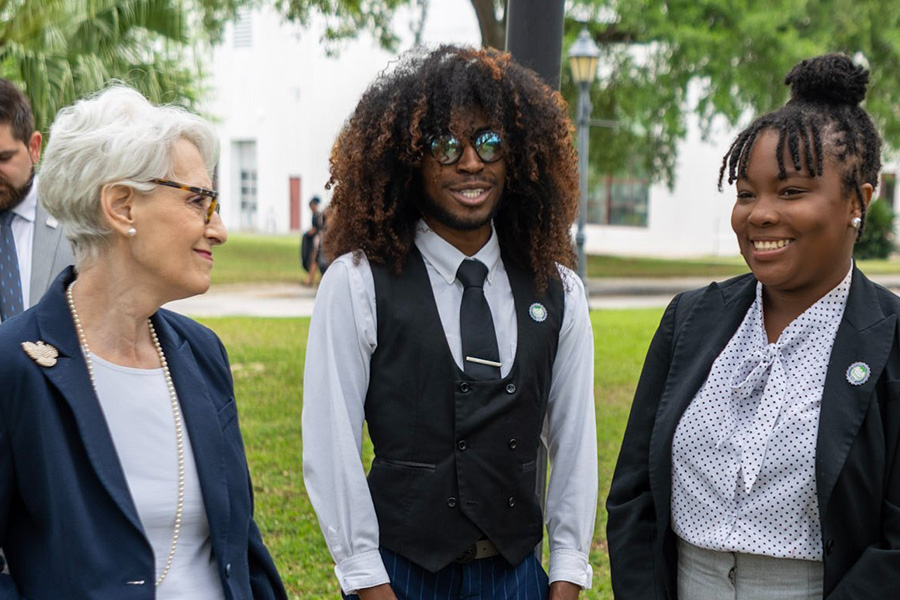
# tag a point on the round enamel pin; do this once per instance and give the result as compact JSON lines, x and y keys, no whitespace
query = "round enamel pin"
{"x":858,"y":373}
{"x":538,"y":312}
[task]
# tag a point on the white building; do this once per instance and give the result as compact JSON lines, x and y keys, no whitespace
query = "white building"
{"x":692,"y":219}
{"x":280,"y":100}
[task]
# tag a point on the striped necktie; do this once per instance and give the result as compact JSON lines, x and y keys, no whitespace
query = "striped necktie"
{"x":10,"y":282}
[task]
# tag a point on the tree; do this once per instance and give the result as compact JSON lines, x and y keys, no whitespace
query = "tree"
{"x":491,"y":21}
{"x":666,"y":60}
{"x":346,"y":18}
{"x":878,"y":237}
{"x":60,"y":50}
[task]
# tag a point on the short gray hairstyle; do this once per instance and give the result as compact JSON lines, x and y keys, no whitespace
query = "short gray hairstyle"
{"x":117,"y":137}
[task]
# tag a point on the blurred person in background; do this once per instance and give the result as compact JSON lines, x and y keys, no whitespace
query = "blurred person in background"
{"x":311,"y":244}
{"x":33,"y":249}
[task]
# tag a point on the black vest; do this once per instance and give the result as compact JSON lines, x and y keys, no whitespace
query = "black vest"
{"x":455,"y":458}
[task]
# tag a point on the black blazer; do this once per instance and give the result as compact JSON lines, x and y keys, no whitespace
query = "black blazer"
{"x":68,"y":526}
{"x":857,"y":466}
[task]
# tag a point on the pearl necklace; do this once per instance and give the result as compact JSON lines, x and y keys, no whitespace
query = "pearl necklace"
{"x":176,"y":414}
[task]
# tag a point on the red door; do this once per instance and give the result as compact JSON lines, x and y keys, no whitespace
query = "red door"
{"x":295,"y":203}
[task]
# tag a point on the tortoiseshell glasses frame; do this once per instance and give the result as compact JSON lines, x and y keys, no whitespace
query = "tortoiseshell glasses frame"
{"x":213,"y":195}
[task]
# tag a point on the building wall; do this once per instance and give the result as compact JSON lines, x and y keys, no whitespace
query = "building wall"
{"x":692,"y":219}
{"x":284,"y":92}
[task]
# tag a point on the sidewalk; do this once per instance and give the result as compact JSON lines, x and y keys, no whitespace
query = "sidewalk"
{"x":249,"y":300}
{"x":294,"y":300}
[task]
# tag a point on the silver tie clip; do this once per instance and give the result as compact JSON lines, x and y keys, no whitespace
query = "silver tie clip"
{"x":482,"y":361}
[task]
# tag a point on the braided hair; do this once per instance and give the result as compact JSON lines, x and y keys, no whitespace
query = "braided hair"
{"x":822,"y":119}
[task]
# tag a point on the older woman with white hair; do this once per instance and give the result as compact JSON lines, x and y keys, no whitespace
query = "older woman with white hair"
{"x":122,"y":469}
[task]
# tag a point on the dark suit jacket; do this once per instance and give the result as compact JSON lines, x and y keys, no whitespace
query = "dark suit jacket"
{"x":857,"y":466}
{"x":68,"y":526}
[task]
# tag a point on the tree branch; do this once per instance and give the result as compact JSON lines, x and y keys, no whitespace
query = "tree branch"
{"x":493,"y":29}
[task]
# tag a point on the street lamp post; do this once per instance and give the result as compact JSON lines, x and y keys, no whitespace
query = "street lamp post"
{"x":583,"y":57}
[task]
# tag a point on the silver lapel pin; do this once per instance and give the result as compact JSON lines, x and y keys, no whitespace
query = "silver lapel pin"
{"x":858,"y":373}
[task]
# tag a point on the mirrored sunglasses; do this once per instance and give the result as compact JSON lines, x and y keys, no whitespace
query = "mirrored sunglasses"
{"x":447,"y":149}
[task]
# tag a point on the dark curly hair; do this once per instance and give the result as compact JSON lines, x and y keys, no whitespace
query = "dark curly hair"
{"x":823,"y":117}
{"x":376,"y":159}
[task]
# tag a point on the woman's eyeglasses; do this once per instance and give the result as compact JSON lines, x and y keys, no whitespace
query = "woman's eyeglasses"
{"x":211,"y":194}
{"x":447,"y":149}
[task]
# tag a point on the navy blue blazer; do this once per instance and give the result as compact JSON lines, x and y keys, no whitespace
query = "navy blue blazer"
{"x":857,"y":448}
{"x":68,"y":526}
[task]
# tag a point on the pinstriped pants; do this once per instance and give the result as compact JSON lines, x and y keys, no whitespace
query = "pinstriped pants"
{"x":488,"y":578}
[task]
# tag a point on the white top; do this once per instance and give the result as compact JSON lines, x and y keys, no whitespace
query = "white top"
{"x":342,"y":338}
{"x":23,"y":232}
{"x":743,"y":456}
{"x":138,"y":413}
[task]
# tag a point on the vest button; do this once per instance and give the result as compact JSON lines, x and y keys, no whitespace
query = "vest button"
{"x":451,"y":502}
{"x":829,"y":546}
{"x":461,"y":444}
{"x":510,"y":388}
{"x":464,"y":387}
{"x":513,"y":443}
{"x":228,"y":570}
{"x":511,"y":501}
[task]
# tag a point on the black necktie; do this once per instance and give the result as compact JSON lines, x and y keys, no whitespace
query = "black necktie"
{"x":476,"y":327}
{"x":10,"y":283}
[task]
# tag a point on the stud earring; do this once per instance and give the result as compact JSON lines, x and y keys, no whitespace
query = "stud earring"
{"x":855,"y":222}
{"x":132,"y":232}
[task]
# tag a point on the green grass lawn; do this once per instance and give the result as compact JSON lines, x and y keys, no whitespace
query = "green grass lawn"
{"x":248,"y":258}
{"x":267,"y":357}
{"x":619,"y":266}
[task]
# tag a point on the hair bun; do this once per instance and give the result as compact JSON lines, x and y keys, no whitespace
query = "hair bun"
{"x":830,"y":78}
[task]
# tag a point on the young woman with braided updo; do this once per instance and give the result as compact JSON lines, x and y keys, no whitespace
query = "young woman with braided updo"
{"x":761,"y":455}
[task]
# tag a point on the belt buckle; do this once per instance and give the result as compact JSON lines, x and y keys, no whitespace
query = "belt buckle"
{"x":467,"y":556}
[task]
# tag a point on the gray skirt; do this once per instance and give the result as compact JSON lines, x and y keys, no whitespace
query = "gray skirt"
{"x":712,"y":575}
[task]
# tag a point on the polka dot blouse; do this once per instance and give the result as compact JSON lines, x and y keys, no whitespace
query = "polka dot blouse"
{"x":743,"y":456}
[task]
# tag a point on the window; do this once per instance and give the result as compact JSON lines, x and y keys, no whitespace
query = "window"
{"x":244,"y":154}
{"x":243,"y":28}
{"x":618,"y":201}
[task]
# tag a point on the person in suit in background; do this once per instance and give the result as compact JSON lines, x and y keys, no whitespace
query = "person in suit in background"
{"x":122,"y":468}
{"x":762,"y":455}
{"x":33,"y":249}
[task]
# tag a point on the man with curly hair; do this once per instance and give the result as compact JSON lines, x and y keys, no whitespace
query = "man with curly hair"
{"x":453,"y":326}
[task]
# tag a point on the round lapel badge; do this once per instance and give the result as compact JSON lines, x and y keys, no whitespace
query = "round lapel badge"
{"x":858,"y":373}
{"x":538,"y":312}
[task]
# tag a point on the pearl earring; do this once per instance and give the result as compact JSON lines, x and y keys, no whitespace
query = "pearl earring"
{"x":132,"y":232}
{"x":855,"y":222}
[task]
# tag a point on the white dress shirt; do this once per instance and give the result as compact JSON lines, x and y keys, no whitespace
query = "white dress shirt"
{"x":743,"y":456}
{"x":23,"y":232}
{"x":342,"y":339}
